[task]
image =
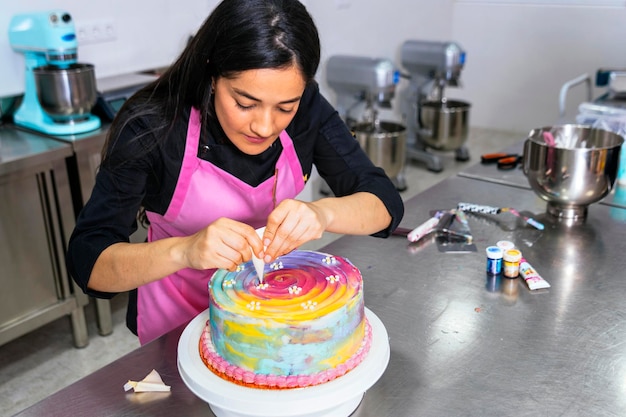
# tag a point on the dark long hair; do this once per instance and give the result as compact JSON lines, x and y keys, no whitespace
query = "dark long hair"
{"x":238,"y":35}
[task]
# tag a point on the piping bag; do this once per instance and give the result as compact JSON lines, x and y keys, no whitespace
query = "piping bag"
{"x":259,"y":264}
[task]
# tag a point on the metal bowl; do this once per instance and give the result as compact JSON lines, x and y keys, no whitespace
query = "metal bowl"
{"x":444,"y":124}
{"x":384,"y":143}
{"x":66,"y":94}
{"x":576,"y":171}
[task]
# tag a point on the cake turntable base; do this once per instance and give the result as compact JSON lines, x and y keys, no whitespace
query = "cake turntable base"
{"x":339,"y":397}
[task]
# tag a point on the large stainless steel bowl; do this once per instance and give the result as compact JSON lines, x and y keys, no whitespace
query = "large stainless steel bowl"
{"x":66,"y":94}
{"x":384,"y":143}
{"x":444,"y":124}
{"x":576,"y":171}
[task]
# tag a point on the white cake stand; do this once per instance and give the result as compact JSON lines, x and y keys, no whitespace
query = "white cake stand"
{"x":339,"y":397}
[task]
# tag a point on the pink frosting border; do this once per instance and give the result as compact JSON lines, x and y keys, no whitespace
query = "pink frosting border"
{"x":219,"y":365}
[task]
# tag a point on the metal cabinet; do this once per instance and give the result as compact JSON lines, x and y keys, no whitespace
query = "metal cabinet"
{"x":82,"y":168}
{"x":35,"y":217}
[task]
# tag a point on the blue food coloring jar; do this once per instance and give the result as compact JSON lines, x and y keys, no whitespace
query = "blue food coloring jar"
{"x":494,"y":260}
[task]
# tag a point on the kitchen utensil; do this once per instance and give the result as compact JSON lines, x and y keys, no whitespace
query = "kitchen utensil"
{"x":59,"y":92}
{"x":259,"y":264}
{"x":548,"y":138}
{"x":503,"y":160}
{"x":455,"y":227}
{"x":425,"y":228}
{"x":385,"y":144}
{"x":573,"y":177}
{"x":66,"y":94}
{"x":529,"y":220}
{"x":444,"y":124}
{"x":481,"y":208}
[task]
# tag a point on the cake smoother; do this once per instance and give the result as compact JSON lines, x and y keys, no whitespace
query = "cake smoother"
{"x":259,"y":264}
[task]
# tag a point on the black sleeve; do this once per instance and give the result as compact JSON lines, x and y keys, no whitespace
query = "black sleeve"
{"x":339,"y":158}
{"x":110,"y":214}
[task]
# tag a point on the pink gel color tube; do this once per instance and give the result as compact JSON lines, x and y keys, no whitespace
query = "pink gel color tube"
{"x":532,"y":278}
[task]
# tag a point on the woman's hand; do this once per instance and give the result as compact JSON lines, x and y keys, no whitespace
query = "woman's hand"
{"x":291,"y":224}
{"x":225,"y":243}
{"x":295,"y":222}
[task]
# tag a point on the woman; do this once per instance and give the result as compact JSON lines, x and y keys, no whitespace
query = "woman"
{"x":219,"y":145}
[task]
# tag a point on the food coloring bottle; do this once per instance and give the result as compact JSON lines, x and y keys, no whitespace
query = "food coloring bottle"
{"x":505,"y":245}
{"x":494,"y":260}
{"x":511,"y":260}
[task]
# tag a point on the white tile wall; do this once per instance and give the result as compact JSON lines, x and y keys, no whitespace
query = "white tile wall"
{"x":518,"y":55}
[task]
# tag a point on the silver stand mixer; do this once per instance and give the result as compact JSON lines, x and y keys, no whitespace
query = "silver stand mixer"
{"x":434,"y":121}
{"x":370,"y":83}
{"x":59,"y":92}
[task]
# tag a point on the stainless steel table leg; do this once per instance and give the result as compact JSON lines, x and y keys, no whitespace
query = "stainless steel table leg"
{"x":79,"y":327}
{"x":78,"y":319}
{"x":103,"y":317}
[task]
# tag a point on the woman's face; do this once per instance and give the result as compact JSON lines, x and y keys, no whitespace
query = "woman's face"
{"x":254,"y":106}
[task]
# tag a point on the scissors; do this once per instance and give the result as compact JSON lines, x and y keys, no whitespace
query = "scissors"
{"x":502,"y":160}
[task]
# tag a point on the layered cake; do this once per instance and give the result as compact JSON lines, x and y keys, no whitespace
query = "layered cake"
{"x":303,"y":325}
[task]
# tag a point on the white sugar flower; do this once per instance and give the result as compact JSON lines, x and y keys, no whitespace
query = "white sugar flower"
{"x":262,"y":286}
{"x":309,"y":305}
{"x":276,"y":265}
{"x":254,"y":305}
{"x":329,"y":260}
{"x":294,"y":289}
{"x":229,"y":283}
{"x":332,"y":278}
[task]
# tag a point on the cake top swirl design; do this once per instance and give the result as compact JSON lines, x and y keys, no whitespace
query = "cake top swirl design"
{"x":300,"y":284}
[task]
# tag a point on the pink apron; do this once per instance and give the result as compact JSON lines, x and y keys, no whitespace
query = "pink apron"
{"x":203,"y":194}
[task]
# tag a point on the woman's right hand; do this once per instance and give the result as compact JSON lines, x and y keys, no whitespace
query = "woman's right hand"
{"x":224,"y":244}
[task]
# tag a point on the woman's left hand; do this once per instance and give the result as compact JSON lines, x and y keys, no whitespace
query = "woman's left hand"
{"x":291,"y":224}
{"x":295,"y":222}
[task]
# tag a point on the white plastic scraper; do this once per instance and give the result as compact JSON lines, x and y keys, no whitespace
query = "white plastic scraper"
{"x":259,"y":265}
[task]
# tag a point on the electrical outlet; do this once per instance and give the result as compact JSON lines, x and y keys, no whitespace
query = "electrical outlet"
{"x":96,"y":31}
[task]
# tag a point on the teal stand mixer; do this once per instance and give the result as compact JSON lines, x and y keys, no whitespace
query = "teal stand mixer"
{"x":59,"y":92}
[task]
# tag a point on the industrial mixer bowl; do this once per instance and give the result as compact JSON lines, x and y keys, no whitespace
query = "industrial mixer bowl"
{"x":385,"y":144}
{"x":444,"y":124}
{"x":571,"y":166}
{"x":66,"y":94}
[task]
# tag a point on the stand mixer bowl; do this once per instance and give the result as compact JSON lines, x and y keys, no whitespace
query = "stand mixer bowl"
{"x":444,"y":124}
{"x":384,"y":143}
{"x":66,"y":94}
{"x":578,"y":169}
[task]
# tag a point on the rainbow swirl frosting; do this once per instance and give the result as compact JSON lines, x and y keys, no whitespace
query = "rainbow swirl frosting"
{"x":306,"y":317}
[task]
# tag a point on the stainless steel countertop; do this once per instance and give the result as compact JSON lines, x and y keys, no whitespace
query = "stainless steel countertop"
{"x":17,"y":135}
{"x":20,"y":150}
{"x":85,"y":141}
{"x":461,"y":344}
{"x":516,"y":178}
